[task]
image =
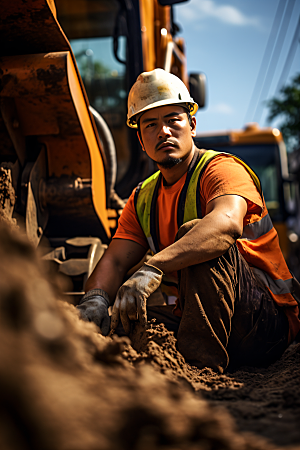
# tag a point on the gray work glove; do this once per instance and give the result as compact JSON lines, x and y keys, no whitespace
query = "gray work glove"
{"x":130,"y":303}
{"x":93,"y":307}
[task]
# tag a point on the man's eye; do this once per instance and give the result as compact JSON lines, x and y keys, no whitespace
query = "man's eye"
{"x":150,"y":125}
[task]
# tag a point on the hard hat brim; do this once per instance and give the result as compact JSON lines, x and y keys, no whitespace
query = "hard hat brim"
{"x":191,"y":106}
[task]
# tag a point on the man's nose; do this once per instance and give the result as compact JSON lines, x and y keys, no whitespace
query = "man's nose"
{"x":165,"y":131}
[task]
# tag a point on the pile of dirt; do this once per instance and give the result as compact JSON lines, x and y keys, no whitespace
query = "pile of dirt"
{"x":265,"y":401}
{"x":157,"y":346}
{"x":64,"y":386}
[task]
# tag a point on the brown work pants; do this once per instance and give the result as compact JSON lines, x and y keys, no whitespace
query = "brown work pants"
{"x":228,"y":316}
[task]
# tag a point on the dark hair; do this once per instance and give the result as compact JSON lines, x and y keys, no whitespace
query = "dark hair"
{"x":189,"y":116}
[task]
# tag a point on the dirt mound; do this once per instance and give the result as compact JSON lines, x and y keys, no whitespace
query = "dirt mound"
{"x":261,"y":400}
{"x":157,"y":346}
{"x":64,"y":386}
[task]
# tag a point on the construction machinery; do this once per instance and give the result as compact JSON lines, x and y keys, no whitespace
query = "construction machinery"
{"x":294,"y":220}
{"x":113,"y":42}
{"x":65,"y":72}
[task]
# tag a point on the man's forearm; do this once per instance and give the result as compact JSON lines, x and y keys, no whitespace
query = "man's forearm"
{"x":205,"y":241}
{"x":106,"y":276}
{"x":110,"y":271}
{"x":209,"y":238}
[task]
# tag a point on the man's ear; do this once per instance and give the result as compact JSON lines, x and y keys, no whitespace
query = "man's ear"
{"x":140,"y":139}
{"x":193,"y":126}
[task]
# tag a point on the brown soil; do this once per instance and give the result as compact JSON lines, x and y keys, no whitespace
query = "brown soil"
{"x":63,"y":386}
{"x":265,"y":401}
{"x":7,"y":196}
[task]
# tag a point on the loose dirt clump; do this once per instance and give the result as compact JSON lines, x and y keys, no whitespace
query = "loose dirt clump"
{"x":157,"y":346}
{"x":63,"y":386}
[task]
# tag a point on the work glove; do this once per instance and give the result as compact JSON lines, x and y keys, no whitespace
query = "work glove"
{"x":93,"y":307}
{"x":130,"y":303}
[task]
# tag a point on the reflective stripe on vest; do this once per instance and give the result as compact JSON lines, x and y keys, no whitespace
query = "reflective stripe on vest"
{"x":277,"y":287}
{"x":257,"y":229}
{"x":144,"y":200}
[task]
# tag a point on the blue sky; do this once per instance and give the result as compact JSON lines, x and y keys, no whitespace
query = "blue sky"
{"x":227,"y":39}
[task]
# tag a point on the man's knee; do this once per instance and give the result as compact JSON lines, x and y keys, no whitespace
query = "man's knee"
{"x":185,"y":228}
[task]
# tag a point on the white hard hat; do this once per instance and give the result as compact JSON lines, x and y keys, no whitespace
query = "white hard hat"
{"x":157,"y":88}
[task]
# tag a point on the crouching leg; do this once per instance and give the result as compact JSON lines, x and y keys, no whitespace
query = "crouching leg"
{"x":227,"y":314}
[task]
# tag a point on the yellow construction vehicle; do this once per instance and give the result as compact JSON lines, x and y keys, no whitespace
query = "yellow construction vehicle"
{"x":65,"y":146}
{"x":264,"y":150}
{"x":294,"y":220}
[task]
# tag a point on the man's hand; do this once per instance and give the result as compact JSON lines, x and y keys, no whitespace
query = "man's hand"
{"x":93,"y":307}
{"x":131,"y":298}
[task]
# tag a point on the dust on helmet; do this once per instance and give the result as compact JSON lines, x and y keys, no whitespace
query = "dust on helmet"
{"x":157,"y":88}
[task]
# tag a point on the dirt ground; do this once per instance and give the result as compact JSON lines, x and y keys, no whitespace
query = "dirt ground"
{"x":63,"y":386}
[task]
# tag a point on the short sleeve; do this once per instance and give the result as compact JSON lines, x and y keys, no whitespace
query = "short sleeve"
{"x":225,"y":176}
{"x":129,"y":226}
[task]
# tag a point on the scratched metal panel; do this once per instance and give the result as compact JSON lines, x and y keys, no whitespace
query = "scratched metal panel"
{"x":29,"y":27}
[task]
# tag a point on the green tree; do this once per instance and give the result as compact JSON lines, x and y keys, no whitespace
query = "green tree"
{"x":89,"y":67}
{"x":288,"y":107}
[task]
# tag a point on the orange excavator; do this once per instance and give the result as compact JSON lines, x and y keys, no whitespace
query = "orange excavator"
{"x":65,"y":72}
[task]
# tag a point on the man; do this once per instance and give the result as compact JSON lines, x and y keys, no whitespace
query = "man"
{"x":203,"y":216}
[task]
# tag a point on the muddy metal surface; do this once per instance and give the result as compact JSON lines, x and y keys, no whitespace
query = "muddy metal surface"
{"x":64,"y":386}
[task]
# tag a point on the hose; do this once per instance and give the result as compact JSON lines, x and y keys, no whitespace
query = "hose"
{"x":109,"y":148}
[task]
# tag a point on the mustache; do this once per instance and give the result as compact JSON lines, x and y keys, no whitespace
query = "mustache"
{"x":168,"y":142}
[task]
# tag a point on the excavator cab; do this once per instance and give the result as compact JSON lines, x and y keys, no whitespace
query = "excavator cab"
{"x":113,"y":42}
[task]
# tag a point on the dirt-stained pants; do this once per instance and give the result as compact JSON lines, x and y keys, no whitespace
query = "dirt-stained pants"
{"x":227,"y":314}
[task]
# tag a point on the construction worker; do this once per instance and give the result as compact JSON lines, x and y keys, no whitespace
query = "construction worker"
{"x":203,"y":217}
